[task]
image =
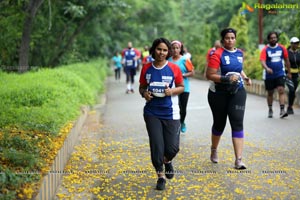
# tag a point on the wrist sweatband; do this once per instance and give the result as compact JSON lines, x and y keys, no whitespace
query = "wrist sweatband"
{"x":225,"y":79}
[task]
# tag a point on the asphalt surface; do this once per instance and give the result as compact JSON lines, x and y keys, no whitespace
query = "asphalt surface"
{"x":112,"y":158}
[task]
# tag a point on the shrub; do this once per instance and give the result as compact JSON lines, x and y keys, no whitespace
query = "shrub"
{"x":36,"y":111}
{"x":47,"y":99}
{"x":199,"y":62}
{"x":252,"y":66}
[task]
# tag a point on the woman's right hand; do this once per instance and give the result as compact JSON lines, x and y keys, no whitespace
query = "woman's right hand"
{"x":147,"y":95}
{"x":269,"y":70}
{"x":234,"y":78}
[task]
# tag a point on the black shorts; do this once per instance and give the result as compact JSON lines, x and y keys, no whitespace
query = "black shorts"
{"x":271,"y":84}
{"x":130,"y":71}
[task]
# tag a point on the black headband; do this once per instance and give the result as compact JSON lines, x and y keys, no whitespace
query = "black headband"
{"x":227,"y":30}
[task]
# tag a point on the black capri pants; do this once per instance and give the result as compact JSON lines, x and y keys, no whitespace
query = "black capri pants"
{"x":164,"y":140}
{"x":223,"y":104}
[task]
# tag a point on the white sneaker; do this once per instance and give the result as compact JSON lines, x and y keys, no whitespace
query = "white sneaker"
{"x":238,"y":164}
{"x":283,"y":114}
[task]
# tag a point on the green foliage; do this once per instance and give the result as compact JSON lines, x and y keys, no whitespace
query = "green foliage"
{"x":252,"y":66}
{"x":77,"y":31}
{"x":284,"y":39}
{"x":11,"y":21}
{"x":199,"y":62}
{"x":47,"y":99}
{"x":282,"y":21}
{"x":75,"y":11}
{"x":20,"y":158}
{"x":296,"y":30}
{"x":10,"y":179}
{"x":17,"y":143}
{"x":240,"y":23}
{"x":41,"y":103}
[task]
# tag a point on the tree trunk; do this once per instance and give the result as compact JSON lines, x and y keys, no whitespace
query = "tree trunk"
{"x":25,"y":42}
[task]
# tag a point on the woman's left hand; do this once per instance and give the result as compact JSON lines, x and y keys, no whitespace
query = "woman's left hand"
{"x":168,"y":91}
{"x":248,"y":81}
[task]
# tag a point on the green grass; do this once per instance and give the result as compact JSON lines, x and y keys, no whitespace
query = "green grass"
{"x":35,"y":106}
{"x":47,"y":99}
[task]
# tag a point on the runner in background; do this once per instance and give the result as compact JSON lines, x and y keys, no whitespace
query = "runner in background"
{"x":130,"y":61}
{"x":146,"y":56}
{"x":187,"y":70}
{"x":186,"y":53}
{"x":274,"y":59}
{"x":147,"y":59}
{"x":117,"y":65}
{"x":145,"y":52}
{"x":210,"y":52}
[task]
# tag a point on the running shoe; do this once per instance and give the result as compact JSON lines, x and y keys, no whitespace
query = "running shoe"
{"x":127,"y":91}
{"x":183,"y":128}
{"x":290,"y":111}
{"x":239,"y":164}
{"x":161,"y":183}
{"x":270,"y":114}
{"x":214,"y":156}
{"x":169,"y":170}
{"x":131,"y":90}
{"x":283,"y":114}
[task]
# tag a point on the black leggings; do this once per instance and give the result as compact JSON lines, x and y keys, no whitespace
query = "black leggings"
{"x":183,"y":101}
{"x":164,"y":140}
{"x":292,"y":93}
{"x":117,"y":73}
{"x":130,"y":73}
{"x":233,"y":106}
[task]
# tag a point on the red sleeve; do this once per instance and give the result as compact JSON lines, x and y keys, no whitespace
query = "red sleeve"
{"x":263,"y":54}
{"x":177,"y":73}
{"x":285,"y":52}
{"x":137,"y":52}
{"x":144,"y":60}
{"x":143,"y":80}
{"x":215,"y":59}
{"x":208,"y":54}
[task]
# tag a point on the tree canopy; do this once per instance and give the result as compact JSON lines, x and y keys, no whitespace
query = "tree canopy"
{"x":50,"y":33}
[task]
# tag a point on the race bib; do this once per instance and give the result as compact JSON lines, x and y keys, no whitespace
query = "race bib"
{"x":129,"y":62}
{"x":157,"y":88}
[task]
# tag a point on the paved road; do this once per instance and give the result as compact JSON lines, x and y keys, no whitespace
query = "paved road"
{"x":112,"y":159}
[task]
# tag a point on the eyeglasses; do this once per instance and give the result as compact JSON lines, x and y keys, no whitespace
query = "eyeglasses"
{"x":294,"y":42}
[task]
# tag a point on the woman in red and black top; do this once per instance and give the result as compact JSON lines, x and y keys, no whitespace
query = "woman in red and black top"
{"x":227,"y":96}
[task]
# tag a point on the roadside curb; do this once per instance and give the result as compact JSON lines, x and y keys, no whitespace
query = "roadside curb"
{"x":51,"y":181}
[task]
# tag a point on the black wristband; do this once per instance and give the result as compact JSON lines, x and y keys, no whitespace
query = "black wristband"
{"x":225,"y":79}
